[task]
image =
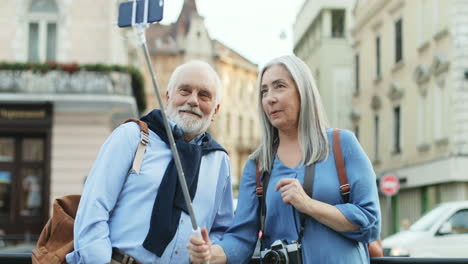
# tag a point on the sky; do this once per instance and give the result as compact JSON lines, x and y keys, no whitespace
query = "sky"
{"x":257,"y":29}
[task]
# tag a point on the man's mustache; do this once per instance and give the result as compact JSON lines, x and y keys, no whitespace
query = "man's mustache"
{"x":193,"y":110}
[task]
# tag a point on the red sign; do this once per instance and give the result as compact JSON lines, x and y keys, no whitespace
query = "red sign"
{"x":389,"y":184}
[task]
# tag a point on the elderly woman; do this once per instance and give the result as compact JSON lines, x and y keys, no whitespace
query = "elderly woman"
{"x":295,"y":136}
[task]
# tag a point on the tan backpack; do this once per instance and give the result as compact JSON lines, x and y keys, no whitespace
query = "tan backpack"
{"x":56,"y":238}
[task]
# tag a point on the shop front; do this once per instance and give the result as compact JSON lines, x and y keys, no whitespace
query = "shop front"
{"x":25,"y":158}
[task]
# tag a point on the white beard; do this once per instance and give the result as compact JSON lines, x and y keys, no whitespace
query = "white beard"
{"x":191,"y":125}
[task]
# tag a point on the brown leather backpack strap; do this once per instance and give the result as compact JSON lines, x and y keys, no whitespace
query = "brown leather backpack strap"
{"x":345,"y":188}
{"x":261,"y":199}
{"x":142,"y":124}
{"x":138,"y":160}
{"x":258,"y":175}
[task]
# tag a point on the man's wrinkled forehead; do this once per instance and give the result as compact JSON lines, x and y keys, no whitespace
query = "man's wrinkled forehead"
{"x":197,"y":77}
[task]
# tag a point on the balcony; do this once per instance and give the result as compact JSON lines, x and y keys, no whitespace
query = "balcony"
{"x":74,"y":86}
{"x":59,"y":82}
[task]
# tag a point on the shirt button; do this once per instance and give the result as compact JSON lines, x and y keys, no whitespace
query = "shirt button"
{"x":177,"y":251}
{"x":182,"y":221}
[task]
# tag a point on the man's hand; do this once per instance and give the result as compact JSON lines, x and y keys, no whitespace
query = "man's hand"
{"x":200,"y":248}
{"x":293,"y":193}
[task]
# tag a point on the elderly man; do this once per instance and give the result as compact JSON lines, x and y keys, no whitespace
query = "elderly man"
{"x":143,"y":218}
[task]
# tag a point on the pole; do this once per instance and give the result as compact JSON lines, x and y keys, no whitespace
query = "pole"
{"x":180,"y":172}
{"x":140,"y":32}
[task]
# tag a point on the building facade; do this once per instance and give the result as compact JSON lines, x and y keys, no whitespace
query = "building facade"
{"x":322,"y":40}
{"x":410,"y":100}
{"x":54,"y":116}
{"x":236,"y":126}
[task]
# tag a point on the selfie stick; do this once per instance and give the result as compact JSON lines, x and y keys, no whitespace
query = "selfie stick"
{"x":140,"y":32}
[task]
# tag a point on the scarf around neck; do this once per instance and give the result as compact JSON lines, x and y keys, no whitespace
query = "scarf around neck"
{"x":169,"y":202}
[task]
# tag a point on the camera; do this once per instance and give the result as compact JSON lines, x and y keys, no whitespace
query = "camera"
{"x":281,"y":252}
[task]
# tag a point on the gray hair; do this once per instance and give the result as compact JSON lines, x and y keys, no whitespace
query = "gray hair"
{"x":200,"y":64}
{"x":312,"y":118}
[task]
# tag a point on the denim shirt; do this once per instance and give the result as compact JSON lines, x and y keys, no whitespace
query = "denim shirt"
{"x":107,"y":220}
{"x":320,"y":244}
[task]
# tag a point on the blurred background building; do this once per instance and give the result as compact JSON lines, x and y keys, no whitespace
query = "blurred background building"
{"x":394,"y":72}
{"x":55,"y":116}
{"x":322,"y":39}
{"x":65,"y":84}
{"x":187,"y":38}
{"x":410,"y":96}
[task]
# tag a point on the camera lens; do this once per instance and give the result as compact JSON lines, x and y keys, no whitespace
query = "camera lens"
{"x":274,"y":257}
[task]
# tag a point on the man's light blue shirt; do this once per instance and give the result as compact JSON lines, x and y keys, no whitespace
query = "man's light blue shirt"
{"x":106,"y":219}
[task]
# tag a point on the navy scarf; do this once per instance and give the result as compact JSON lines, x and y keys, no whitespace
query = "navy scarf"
{"x":170,"y":201}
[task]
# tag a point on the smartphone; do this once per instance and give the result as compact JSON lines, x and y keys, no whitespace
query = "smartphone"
{"x":155,"y":12}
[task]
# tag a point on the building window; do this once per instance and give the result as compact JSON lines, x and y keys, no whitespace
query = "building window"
{"x":398,"y":40}
{"x":396,"y":130}
{"x":377,"y":58}
{"x":426,"y":21}
{"x":442,"y":13}
{"x":440,"y":124}
{"x":356,"y":73}
{"x":338,"y":23}
{"x":376,"y":138}
{"x":422,"y":120}
{"x":356,"y":131}
{"x":42,"y":31}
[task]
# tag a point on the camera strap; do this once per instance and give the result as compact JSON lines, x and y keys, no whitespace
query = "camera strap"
{"x":262,"y":190}
{"x":261,"y":194}
{"x":308,"y":188}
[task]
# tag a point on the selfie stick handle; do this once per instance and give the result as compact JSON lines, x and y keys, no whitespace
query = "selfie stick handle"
{"x":140,"y":31}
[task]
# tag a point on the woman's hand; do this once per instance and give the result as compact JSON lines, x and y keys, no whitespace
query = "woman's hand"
{"x":200,"y":247}
{"x":293,"y":193}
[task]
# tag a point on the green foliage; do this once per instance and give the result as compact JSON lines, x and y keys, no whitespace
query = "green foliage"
{"x":42,"y":68}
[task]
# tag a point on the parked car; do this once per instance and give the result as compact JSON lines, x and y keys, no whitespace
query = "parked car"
{"x":442,"y":232}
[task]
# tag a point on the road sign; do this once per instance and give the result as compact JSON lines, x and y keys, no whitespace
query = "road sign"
{"x":389,"y":184}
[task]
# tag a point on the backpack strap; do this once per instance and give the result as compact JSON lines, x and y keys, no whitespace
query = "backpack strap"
{"x":259,"y":189}
{"x":345,"y":188}
{"x":59,"y":243}
{"x":308,"y":188}
{"x":261,"y":196}
{"x":138,"y":160}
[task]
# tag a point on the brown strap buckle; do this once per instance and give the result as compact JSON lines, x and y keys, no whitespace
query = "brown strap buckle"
{"x":259,"y":191}
{"x":144,"y":138}
{"x":345,"y":189}
{"x":123,"y":258}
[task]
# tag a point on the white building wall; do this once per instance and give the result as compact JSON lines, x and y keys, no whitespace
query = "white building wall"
{"x":460,"y":66}
{"x":86,"y":32}
{"x":434,"y":132}
{"x":330,"y":59}
{"x":76,"y":140}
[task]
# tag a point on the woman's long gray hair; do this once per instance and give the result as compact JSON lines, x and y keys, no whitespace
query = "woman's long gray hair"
{"x":312,"y":118}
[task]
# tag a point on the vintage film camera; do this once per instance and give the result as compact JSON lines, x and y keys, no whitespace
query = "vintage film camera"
{"x":281,"y":252}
